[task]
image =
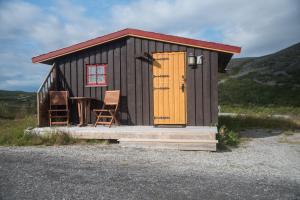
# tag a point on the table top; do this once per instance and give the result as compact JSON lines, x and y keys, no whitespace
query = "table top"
{"x":82,"y":98}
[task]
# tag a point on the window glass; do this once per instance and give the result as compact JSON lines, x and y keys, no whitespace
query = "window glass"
{"x":96,"y":75}
{"x":92,"y":70}
{"x":101,"y":79}
{"x":92,"y":79}
{"x":100,"y":69}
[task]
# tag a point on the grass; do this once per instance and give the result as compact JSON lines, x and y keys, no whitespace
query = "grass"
{"x":261,"y":110}
{"x":229,"y":128}
{"x":272,"y":85}
{"x":285,"y":139}
{"x":16,"y":104}
{"x":247,"y":92}
{"x":248,"y":97}
{"x":239,"y":123}
{"x":12,"y":134}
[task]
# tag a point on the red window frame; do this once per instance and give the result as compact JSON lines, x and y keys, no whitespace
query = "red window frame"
{"x":88,"y":84}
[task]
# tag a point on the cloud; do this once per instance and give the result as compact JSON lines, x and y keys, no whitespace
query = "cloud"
{"x":63,"y":24}
{"x":28,"y":29}
{"x":17,"y":73}
{"x":260,"y":27}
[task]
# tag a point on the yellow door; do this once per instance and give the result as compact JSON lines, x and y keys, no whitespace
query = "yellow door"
{"x":169,"y":88}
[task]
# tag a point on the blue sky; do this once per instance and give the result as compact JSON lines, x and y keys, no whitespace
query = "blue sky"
{"x":29,"y":28}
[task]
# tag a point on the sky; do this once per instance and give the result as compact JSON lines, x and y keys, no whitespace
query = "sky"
{"x":30,"y":28}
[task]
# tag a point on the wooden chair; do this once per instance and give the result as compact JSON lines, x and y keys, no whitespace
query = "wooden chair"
{"x":59,"y":108}
{"x":109,"y":108}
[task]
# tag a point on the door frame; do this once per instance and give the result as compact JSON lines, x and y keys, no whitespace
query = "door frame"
{"x":185,"y":89}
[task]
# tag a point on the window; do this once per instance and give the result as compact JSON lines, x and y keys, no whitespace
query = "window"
{"x":96,"y":75}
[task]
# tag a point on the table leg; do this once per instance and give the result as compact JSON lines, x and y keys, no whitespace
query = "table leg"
{"x":80,"y":113}
{"x":85,"y":112}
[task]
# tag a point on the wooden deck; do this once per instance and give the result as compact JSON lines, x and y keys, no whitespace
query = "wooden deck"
{"x":188,"y":138}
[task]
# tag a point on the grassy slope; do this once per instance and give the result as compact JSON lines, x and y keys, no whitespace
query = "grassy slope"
{"x":16,"y":104}
{"x":263,"y":85}
{"x":17,"y":110}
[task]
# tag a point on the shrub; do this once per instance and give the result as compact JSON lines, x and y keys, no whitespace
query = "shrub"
{"x":227,"y":137}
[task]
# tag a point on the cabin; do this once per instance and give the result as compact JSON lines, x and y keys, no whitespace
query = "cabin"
{"x":164,"y":80}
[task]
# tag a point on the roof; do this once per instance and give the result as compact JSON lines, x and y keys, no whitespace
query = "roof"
{"x":140,"y":34}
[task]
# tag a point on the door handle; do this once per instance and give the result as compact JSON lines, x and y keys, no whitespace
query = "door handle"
{"x":182,"y":87}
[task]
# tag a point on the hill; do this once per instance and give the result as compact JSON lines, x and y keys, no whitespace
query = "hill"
{"x":16,"y":104}
{"x":268,"y":84}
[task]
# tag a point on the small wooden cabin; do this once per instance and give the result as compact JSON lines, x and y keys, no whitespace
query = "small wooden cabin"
{"x":163,"y":79}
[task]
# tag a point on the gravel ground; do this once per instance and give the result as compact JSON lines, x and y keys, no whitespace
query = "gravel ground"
{"x":262,"y":168}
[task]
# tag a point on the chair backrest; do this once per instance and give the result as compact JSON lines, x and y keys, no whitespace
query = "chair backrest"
{"x":112,"y":97}
{"x":59,"y":98}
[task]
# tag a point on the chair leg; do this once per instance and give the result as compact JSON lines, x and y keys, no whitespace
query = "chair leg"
{"x":97,"y":120}
{"x":113,"y":119}
{"x":116,"y":119}
{"x":95,"y":125}
{"x":50,"y":121}
{"x":68,"y":118}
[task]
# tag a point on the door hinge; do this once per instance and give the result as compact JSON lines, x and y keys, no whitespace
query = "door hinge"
{"x":161,"y":117}
{"x":161,"y":59}
{"x":161,"y":88}
{"x":160,"y":76}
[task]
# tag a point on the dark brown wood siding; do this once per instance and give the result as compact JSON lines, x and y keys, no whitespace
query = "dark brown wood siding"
{"x":130,"y":70}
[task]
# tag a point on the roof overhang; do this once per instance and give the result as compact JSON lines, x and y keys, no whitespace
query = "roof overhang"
{"x":43,"y":58}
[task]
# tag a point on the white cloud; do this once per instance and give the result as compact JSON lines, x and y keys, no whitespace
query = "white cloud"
{"x":16,"y":18}
{"x":52,"y":28}
{"x":17,"y":72}
{"x":260,"y":27}
{"x":27,"y":30}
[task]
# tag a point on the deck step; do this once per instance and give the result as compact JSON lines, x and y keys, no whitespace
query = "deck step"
{"x":165,"y":141}
{"x":96,"y":134}
{"x":174,"y":136}
{"x":199,"y":145}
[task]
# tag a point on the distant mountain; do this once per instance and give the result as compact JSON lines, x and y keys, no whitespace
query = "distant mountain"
{"x":280,"y":68}
{"x":269,"y":81}
{"x":16,"y":104}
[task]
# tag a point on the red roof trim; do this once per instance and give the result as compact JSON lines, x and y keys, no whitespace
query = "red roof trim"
{"x":136,"y":33}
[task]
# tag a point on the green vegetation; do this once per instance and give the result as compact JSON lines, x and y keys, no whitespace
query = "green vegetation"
{"x":12,"y":133}
{"x":229,"y":127}
{"x":257,"y":88}
{"x":227,"y":137}
{"x":264,"y":85}
{"x":249,"y":97}
{"x":15,"y":104}
{"x":239,"y":123}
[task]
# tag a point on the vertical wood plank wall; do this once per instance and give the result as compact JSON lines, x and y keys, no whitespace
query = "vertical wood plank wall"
{"x":131,"y":72}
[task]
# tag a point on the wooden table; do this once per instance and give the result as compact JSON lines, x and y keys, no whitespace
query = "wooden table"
{"x":83,"y":103}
